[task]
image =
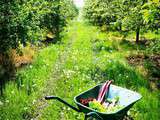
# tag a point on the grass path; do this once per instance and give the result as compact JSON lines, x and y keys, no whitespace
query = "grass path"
{"x":58,"y":67}
{"x":70,"y":72}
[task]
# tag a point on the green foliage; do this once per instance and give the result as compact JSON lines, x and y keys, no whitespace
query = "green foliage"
{"x":97,"y":106}
{"x":99,"y":12}
{"x":31,"y":20}
{"x":122,"y":12}
{"x":151,"y":13}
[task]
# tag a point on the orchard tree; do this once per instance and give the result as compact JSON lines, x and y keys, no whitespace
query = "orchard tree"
{"x":141,"y":13}
{"x":133,"y":17}
{"x":99,"y":12}
{"x":61,"y":11}
{"x":124,"y":13}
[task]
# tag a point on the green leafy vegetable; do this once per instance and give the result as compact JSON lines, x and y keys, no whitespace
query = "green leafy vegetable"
{"x":110,"y":106}
{"x":97,"y":106}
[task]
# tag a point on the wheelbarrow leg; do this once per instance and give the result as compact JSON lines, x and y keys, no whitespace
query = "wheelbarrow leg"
{"x":93,"y":115}
{"x":85,"y":118}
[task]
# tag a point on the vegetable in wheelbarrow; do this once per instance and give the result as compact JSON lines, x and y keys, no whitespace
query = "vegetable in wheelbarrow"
{"x":100,"y":104}
{"x":104,"y":89}
{"x":87,"y":96}
{"x":109,"y":106}
{"x":97,"y":106}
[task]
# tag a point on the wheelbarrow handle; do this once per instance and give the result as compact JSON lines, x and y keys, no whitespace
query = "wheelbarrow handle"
{"x":62,"y":101}
{"x":50,"y":97}
{"x":93,"y":114}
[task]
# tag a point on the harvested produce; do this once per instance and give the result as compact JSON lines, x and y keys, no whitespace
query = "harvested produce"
{"x":109,"y":106}
{"x":96,"y":105}
{"x":104,"y":89}
{"x":86,"y":101}
{"x":100,"y":104}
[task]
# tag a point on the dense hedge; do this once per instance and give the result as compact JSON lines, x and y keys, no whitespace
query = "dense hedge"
{"x":31,"y":20}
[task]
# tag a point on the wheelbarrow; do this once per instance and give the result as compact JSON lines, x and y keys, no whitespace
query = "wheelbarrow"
{"x":127,"y":98}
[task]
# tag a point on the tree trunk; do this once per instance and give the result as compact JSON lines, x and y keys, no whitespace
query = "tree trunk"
{"x":120,"y":27}
{"x":137,"y":34}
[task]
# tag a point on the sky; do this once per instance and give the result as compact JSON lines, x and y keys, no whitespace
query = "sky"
{"x":79,"y":3}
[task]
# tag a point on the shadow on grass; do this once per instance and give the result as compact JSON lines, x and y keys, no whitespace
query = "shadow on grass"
{"x":122,"y":75}
{"x":102,"y":45}
{"x":131,"y":45}
{"x":7,"y":70}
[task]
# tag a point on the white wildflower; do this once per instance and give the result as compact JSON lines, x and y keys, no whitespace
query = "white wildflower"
{"x":1,"y":103}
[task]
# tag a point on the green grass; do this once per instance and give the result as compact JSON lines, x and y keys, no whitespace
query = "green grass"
{"x":17,"y":102}
{"x":86,"y":58}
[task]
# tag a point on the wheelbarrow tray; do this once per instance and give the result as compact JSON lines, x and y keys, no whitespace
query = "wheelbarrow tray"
{"x":127,"y":98}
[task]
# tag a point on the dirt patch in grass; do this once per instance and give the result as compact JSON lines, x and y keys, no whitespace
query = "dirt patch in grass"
{"x":151,"y":63}
{"x":136,"y":59}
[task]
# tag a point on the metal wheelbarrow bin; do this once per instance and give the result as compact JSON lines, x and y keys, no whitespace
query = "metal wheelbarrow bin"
{"x":127,"y":98}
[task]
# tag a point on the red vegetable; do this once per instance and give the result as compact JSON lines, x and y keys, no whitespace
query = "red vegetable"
{"x":86,"y":101}
{"x":103,"y":91}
